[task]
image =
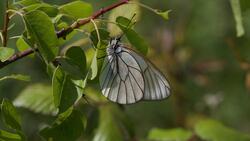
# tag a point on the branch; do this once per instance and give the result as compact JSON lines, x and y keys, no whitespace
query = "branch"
{"x":5,"y":26}
{"x":17,"y":57}
{"x":63,"y":33}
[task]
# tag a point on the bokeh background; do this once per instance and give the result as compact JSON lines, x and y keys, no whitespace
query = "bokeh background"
{"x":197,"y":49}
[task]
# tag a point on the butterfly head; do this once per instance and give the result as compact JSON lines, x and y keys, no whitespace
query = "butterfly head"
{"x":114,"y":45}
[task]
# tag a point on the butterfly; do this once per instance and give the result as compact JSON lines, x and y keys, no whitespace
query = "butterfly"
{"x":126,"y":77}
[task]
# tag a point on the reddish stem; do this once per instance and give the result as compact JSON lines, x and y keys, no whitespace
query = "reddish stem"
{"x":63,"y":33}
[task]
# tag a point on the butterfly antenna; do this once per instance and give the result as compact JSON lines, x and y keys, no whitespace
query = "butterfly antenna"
{"x":128,"y":26}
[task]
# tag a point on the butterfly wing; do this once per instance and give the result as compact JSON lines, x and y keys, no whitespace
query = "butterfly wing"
{"x":156,"y":85}
{"x":121,"y":79}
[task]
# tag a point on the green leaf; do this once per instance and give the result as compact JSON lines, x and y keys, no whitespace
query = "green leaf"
{"x":215,"y":131}
{"x":104,"y":35}
{"x":43,"y":33}
{"x":238,"y":17}
{"x":22,"y":44}
{"x":77,"y":9}
{"x":46,"y":8}
{"x":128,"y":11}
{"x":177,"y":134}
{"x":97,"y":61}
{"x":93,"y":68}
{"x":17,"y":77}
{"x":6,"y":53}
{"x":10,"y":116}
{"x":64,"y":91}
{"x":135,"y":39}
{"x":8,"y":136}
{"x":80,"y":85}
{"x":124,"y":22}
{"x":74,"y":63}
{"x":67,"y":127}
{"x":37,"y":98}
{"x":113,"y":125}
{"x":164,"y":14}
{"x":94,"y":94}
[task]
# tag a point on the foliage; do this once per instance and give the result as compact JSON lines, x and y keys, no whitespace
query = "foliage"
{"x":12,"y":121}
{"x":37,"y":98}
{"x":177,"y":134}
{"x":6,"y":53}
{"x":61,"y":128}
{"x":66,"y":44}
{"x":215,"y":131}
{"x":42,"y":32}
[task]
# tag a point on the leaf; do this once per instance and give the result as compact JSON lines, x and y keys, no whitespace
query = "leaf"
{"x":80,"y":85}
{"x":17,"y":77}
{"x":238,"y":17}
{"x":104,"y":35}
{"x":8,"y":136}
{"x":43,"y":33}
{"x":67,"y":127}
{"x":37,"y":98}
{"x":113,"y":125}
{"x":22,"y":44}
{"x":77,"y":9}
{"x":176,"y":134}
{"x":64,"y":91}
{"x":135,"y":39}
{"x":46,"y":8}
{"x":127,"y":11}
{"x":74,"y":63}
{"x":10,"y":116}
{"x":164,"y":14}
{"x":93,"y":68}
{"x":97,"y":61}
{"x":94,"y":94}
{"x":125,"y":22}
{"x":6,"y":53}
{"x":27,"y":2}
{"x":215,"y":131}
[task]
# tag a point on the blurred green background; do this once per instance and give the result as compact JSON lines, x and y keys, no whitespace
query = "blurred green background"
{"x":196,"y":48}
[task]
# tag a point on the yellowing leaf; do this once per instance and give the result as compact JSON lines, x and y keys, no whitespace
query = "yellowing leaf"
{"x":6,"y":53}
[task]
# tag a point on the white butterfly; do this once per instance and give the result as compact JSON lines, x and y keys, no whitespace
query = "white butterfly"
{"x":127,"y":77}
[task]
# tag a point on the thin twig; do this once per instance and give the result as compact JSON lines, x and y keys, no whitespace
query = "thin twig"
{"x":5,"y":26}
{"x":63,"y":33}
{"x":16,"y":57}
{"x":79,"y":23}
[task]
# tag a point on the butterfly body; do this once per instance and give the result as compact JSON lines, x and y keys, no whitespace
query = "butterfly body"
{"x":127,"y":77}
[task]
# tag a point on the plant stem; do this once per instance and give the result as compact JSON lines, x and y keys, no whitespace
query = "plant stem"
{"x":97,"y":31}
{"x":17,"y":57}
{"x":81,"y":22}
{"x":5,"y":26}
{"x":63,"y":33}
